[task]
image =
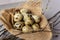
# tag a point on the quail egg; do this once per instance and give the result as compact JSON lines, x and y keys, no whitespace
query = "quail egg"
{"x":28,"y":19}
{"x":18,"y":17}
{"x":23,"y":11}
{"x":36,"y":18}
{"x":26,"y":29}
{"x":35,"y":27}
{"x":28,"y":22}
{"x":18,"y":25}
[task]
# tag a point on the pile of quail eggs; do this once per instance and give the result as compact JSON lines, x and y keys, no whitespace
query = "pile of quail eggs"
{"x":25,"y":21}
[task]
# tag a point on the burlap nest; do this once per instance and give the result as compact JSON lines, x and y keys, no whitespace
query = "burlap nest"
{"x":35,"y":7}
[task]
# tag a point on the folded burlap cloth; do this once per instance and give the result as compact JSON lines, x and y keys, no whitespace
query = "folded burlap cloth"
{"x":35,"y":7}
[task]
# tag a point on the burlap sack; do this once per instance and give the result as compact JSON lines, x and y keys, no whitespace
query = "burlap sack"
{"x":35,"y":7}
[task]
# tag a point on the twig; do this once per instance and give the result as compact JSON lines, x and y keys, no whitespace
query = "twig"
{"x":54,"y":16}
